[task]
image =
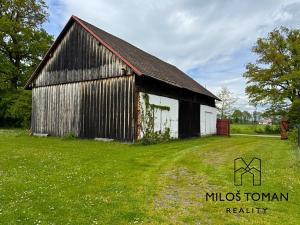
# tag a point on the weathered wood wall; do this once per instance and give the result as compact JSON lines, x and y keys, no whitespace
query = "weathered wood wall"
{"x":101,"y":108}
{"x":80,"y":57}
{"x":85,"y":89}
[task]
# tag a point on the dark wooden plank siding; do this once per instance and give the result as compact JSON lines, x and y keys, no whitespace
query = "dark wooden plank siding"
{"x":80,"y":57}
{"x":101,"y":108}
{"x":189,"y":119}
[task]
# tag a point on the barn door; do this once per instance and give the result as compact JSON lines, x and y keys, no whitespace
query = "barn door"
{"x":189,"y":119}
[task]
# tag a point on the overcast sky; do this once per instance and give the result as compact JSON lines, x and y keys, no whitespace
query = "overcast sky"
{"x":209,"y":40}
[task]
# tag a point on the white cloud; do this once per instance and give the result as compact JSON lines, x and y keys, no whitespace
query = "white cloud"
{"x":211,"y":38}
{"x":232,"y":80}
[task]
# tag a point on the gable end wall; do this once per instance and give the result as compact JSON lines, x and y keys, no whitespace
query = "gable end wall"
{"x":79,"y":57}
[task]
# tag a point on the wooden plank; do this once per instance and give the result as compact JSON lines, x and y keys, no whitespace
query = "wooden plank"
{"x":102,"y":108}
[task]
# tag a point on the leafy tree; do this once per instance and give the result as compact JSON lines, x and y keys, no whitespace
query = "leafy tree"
{"x":273,"y":79}
{"x":23,"y":41}
{"x":236,"y":116}
{"x":246,"y":117}
{"x":241,"y":117}
{"x":225,"y":106}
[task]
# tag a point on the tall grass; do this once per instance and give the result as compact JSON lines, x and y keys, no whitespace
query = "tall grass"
{"x":254,"y":129}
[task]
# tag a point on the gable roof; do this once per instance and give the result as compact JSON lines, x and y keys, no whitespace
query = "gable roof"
{"x":141,"y":62}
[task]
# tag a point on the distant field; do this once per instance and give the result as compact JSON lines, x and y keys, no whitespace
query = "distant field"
{"x":65,"y":181}
{"x":254,"y":129}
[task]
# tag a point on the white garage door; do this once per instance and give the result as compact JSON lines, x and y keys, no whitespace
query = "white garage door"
{"x":208,"y":120}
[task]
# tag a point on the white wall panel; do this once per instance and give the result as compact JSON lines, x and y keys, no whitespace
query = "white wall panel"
{"x":163,"y":118}
{"x":208,"y":120}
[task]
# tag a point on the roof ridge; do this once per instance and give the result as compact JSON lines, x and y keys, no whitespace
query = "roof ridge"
{"x":107,"y":45}
{"x":126,"y":42}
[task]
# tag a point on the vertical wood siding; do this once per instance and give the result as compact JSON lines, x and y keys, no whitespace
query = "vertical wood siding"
{"x":80,"y":57}
{"x":100,"y":108}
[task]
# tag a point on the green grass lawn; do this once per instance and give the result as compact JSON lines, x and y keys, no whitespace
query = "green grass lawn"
{"x":58,"y":181}
{"x":254,"y":129}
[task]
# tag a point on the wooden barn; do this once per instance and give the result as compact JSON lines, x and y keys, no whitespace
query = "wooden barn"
{"x":94,"y":84}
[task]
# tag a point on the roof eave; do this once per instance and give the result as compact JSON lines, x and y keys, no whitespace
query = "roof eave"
{"x":179,"y":86}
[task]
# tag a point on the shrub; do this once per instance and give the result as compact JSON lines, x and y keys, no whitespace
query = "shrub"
{"x":15,"y":108}
{"x":293,"y":137}
{"x":272,"y":129}
{"x":259,"y":130}
{"x":235,"y":130}
{"x":147,"y":124}
{"x":155,"y":137}
{"x":69,"y":136}
{"x":267,"y":129}
{"x":166,"y":134}
{"x":294,"y":113}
